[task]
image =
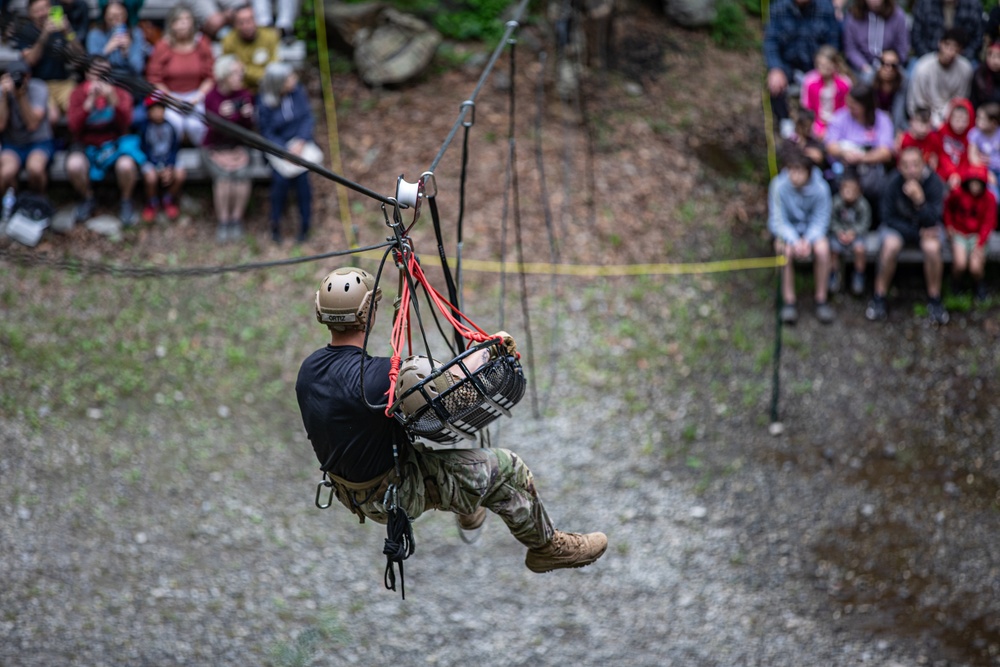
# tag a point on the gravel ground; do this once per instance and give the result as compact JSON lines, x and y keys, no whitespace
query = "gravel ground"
{"x":863,"y":535}
{"x":725,"y":554}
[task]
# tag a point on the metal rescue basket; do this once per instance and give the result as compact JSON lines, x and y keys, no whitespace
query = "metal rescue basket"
{"x":472,"y":399}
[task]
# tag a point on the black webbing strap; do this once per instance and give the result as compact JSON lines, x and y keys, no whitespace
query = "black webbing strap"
{"x":449,"y":281}
{"x":399,"y":533}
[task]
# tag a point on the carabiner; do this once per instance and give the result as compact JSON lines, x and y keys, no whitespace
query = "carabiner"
{"x":319,"y":491}
{"x":430,"y":184}
{"x":472,"y":106}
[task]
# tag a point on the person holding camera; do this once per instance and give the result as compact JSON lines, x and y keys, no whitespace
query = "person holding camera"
{"x":46,"y":42}
{"x":99,"y":119}
{"x":24,"y":129}
{"x":125,"y":48}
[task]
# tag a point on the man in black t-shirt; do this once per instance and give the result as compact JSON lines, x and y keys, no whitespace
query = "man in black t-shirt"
{"x":46,"y":41}
{"x":353,"y":442}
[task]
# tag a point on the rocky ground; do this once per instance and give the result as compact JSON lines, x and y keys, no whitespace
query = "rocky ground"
{"x":865,"y":534}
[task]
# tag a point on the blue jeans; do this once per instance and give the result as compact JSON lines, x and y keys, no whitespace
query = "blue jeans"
{"x":279,"y":195}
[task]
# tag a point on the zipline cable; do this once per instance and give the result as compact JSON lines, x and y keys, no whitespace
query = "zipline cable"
{"x":252,"y":139}
{"x":99,"y":268}
{"x":511,"y":26}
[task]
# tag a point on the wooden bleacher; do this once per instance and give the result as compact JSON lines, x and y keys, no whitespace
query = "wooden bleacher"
{"x":914,"y":256}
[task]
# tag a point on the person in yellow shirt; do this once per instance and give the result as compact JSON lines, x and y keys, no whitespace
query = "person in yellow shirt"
{"x":254,"y":46}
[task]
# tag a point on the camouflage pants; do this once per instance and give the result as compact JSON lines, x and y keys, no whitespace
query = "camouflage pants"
{"x":460,"y":481}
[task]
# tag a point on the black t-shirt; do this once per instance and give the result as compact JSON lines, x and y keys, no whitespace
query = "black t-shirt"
{"x":350,"y":439}
{"x":52,"y":65}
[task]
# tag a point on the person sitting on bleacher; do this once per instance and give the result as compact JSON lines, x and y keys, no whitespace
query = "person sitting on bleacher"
{"x":287,"y":11}
{"x":24,"y":129}
{"x":160,"y":144}
{"x":100,"y":115}
{"x":912,"y":204}
{"x":970,"y":215}
{"x":181,"y":66}
{"x":796,"y":30}
{"x":132,"y":8}
{"x":986,"y":80}
{"x":255,"y":47}
{"x":920,"y":134}
{"x":225,"y":156}
{"x":124,"y":47}
{"x":940,"y":76}
{"x":77,"y":12}
{"x":798,"y":216}
{"x":215,"y":15}
{"x":850,"y":220}
{"x":954,"y":135}
{"x":46,"y":42}
{"x":861,"y":136}
{"x":287,"y":120}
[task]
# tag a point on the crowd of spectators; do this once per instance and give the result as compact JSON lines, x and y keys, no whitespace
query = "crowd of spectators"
{"x":61,"y":94}
{"x":889,"y":122}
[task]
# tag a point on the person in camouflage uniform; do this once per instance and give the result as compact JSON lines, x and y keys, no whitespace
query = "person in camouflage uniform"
{"x":354,"y":442}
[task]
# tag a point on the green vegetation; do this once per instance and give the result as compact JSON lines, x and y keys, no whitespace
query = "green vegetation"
{"x":323,"y":638}
{"x":107,"y":348}
{"x":730,"y":29}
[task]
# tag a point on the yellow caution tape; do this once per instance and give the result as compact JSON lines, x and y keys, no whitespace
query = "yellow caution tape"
{"x":330,"y":110}
{"x":603,"y":270}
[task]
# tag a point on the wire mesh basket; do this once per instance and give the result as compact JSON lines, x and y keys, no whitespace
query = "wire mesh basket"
{"x":473,"y":400}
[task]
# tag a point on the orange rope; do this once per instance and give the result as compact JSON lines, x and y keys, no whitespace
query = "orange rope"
{"x":401,"y":332}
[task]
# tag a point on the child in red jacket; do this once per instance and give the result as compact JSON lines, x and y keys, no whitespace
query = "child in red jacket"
{"x":922,"y":135}
{"x":955,"y":141}
{"x":970,"y":214}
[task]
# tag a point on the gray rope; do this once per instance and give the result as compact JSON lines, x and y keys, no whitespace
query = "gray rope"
{"x":74,"y":265}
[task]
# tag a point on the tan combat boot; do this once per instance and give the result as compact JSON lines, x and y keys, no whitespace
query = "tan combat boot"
{"x":567,"y":550}
{"x":472,"y":521}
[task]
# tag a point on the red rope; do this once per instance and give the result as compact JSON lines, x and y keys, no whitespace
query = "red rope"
{"x":401,"y":333}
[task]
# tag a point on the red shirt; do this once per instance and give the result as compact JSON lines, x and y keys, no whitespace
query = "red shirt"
{"x":929,"y":145}
{"x":180,"y":72}
{"x":236,"y":107}
{"x":954,"y":147}
{"x":101,"y":124}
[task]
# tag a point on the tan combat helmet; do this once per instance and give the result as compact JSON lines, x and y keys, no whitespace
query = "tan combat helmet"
{"x":414,"y":370}
{"x":344,"y":298}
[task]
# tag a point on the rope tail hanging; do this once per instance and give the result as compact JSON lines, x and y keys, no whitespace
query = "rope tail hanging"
{"x":553,"y":352}
{"x":518,"y":240}
{"x":776,"y":427}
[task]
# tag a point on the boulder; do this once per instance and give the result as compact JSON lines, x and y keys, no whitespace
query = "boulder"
{"x":690,"y":13}
{"x":347,"y":19}
{"x":399,"y":48}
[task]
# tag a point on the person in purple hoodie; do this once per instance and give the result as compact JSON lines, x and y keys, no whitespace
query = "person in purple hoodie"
{"x":285,"y":118}
{"x":870,"y":28}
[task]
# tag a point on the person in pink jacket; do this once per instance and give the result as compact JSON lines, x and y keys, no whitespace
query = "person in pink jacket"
{"x":824,"y":90}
